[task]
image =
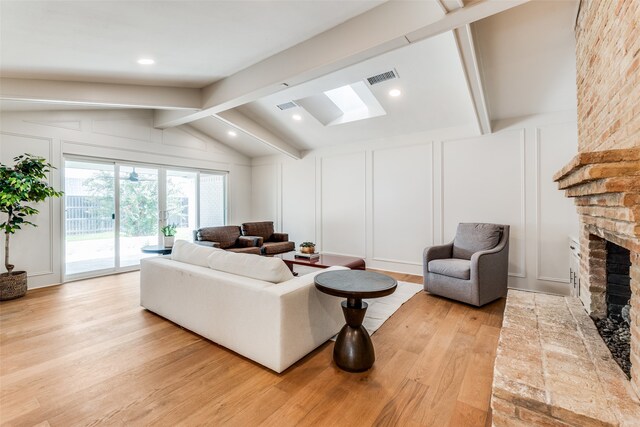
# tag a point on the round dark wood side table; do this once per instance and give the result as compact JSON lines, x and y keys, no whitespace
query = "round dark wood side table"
{"x":353,"y":350}
{"x":156,"y":249}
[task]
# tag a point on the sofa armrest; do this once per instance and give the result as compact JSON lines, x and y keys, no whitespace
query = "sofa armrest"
{"x":279,"y":237}
{"x":307,"y":317}
{"x":207,"y":243}
{"x":249,"y":241}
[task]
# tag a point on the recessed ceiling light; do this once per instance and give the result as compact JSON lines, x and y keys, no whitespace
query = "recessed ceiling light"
{"x":231,"y":133}
{"x":297,"y":117}
{"x":395,"y":92}
{"x":146,"y":61}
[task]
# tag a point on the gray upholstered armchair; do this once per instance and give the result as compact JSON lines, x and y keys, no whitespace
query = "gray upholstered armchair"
{"x":471,"y":269}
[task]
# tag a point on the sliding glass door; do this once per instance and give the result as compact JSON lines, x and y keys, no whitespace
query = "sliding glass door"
{"x":182,"y":202}
{"x":138,"y":213}
{"x":90,"y":231}
{"x":108,"y":220}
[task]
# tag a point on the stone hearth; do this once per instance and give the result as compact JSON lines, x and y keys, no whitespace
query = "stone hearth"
{"x":553,"y":369}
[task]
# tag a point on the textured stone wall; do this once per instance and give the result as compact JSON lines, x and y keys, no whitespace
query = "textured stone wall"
{"x":608,"y":74}
{"x":607,"y":190}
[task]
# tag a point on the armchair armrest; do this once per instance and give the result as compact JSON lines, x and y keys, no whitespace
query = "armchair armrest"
{"x":492,"y":264}
{"x":438,"y":252}
{"x":279,"y":237}
{"x":249,"y":241}
{"x":207,"y":243}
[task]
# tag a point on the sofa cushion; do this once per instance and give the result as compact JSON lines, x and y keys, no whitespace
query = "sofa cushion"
{"x":471,"y":238}
{"x":191,"y":253}
{"x":262,"y":229}
{"x":225,"y":235}
{"x":452,"y":267}
{"x":269,"y":269}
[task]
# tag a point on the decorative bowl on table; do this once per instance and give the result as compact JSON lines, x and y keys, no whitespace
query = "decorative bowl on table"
{"x":307,"y":247}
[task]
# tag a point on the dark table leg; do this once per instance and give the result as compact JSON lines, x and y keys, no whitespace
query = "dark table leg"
{"x":353,"y":350}
{"x":290,"y":265}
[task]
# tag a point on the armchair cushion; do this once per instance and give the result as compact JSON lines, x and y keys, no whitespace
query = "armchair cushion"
{"x":226,"y":235}
{"x":262,"y":229}
{"x":248,"y":250}
{"x":272,"y":248}
{"x":472,"y":237}
{"x":452,"y":267}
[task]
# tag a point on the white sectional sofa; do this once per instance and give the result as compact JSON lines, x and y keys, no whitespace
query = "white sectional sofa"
{"x":270,"y":317}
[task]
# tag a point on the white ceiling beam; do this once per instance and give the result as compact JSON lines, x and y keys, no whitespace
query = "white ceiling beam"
{"x":100,"y":94}
{"x":467,"y":52}
{"x":244,"y":124}
{"x":382,"y":29}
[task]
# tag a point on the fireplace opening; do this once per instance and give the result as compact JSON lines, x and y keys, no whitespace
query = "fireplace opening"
{"x":615,"y":327}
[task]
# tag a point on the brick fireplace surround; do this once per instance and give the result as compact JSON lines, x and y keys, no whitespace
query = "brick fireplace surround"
{"x":552,"y":367}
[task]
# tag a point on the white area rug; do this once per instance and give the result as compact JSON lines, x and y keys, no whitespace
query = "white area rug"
{"x":380,"y":309}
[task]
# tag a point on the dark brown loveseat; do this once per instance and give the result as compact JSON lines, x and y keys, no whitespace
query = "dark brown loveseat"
{"x":227,"y":237}
{"x":272,"y":243}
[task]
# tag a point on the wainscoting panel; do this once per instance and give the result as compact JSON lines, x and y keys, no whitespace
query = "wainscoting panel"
{"x":32,"y":247}
{"x":402,"y":203}
{"x":263,"y":198}
{"x":343,"y":204}
{"x":556,"y":214}
{"x":483,"y":181}
{"x":299,"y":199}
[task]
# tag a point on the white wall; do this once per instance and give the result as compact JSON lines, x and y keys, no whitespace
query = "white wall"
{"x":387,"y":200}
{"x":126,"y":135}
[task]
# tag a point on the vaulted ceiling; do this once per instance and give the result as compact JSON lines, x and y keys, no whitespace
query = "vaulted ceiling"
{"x":224,"y":66}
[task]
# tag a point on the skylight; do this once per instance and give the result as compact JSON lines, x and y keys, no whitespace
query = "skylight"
{"x":341,"y":105}
{"x":347,"y":100}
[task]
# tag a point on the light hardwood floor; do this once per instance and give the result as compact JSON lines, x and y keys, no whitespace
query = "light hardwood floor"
{"x":86,"y":353}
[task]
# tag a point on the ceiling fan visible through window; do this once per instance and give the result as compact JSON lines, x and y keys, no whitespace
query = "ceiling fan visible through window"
{"x":133,"y":176}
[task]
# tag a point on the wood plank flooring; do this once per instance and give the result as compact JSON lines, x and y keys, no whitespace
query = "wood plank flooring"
{"x":86,"y":353}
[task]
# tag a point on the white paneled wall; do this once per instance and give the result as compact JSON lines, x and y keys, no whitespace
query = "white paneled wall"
{"x":121,"y":135}
{"x":553,"y":215}
{"x":402,"y":203}
{"x":342,"y":218}
{"x":387,"y":200}
{"x":299,"y":207}
{"x":483,"y":181}
{"x":33,"y":248}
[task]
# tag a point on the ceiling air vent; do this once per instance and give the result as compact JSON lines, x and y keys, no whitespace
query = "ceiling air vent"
{"x":389,"y":75}
{"x":287,"y":105}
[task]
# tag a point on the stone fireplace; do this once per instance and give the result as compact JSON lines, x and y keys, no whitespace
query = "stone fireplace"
{"x":606,"y":188}
{"x":552,"y":366}
{"x":604,"y":178}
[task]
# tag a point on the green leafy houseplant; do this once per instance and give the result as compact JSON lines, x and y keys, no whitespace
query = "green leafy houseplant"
{"x":23,"y":184}
{"x":169,"y":230}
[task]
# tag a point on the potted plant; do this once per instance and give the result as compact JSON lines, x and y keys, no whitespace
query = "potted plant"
{"x":169,"y":232}
{"x":20,"y":185}
{"x":307,"y":247}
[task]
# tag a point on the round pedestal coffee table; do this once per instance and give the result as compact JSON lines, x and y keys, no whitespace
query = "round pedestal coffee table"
{"x":353,"y":350}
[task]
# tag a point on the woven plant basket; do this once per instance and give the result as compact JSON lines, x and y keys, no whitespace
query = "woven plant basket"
{"x":13,"y":285}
